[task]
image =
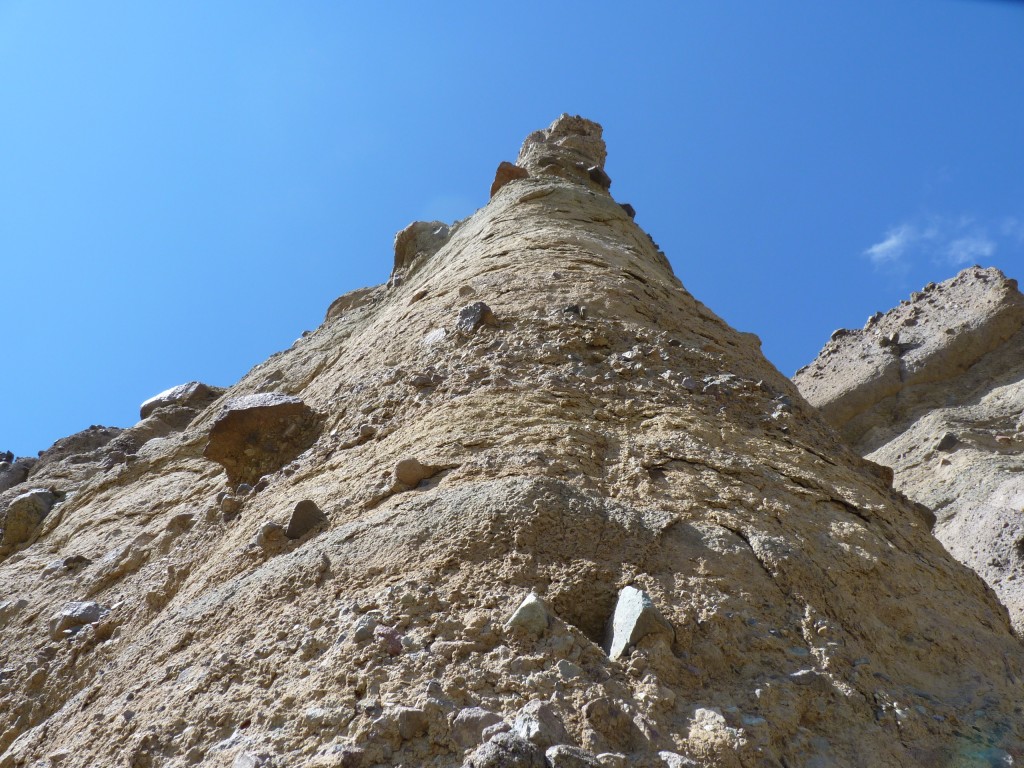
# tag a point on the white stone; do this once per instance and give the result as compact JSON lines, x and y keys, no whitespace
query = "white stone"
{"x":635,"y":617}
{"x":74,"y":615}
{"x":531,"y":616}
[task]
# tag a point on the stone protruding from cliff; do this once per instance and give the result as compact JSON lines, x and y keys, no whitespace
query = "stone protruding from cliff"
{"x":934,"y":389}
{"x":194,"y":394}
{"x":579,"y":424}
{"x":571,"y":148}
{"x":258,"y":434}
{"x":415,"y":244}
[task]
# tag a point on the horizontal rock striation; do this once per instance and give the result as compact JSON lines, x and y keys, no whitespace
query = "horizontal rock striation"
{"x":492,"y":485}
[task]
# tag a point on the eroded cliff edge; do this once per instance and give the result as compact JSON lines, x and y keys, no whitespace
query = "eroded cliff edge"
{"x":934,"y":389}
{"x":532,"y":405}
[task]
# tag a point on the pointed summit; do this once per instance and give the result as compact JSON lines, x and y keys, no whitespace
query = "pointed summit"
{"x":532,"y":405}
{"x":571,"y":147}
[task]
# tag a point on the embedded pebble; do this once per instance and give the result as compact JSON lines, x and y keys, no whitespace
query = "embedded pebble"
{"x":410,"y":472}
{"x":531,"y":616}
{"x":635,"y":617}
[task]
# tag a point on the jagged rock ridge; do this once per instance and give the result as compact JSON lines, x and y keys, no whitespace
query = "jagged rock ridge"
{"x":592,"y":436}
{"x":935,"y":389}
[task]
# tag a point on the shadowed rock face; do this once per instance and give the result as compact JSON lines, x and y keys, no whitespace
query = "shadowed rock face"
{"x":255,"y":435}
{"x":934,"y":389}
{"x":601,"y":430}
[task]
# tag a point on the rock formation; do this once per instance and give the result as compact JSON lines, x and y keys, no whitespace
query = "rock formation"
{"x":494,"y":482}
{"x":934,"y":389}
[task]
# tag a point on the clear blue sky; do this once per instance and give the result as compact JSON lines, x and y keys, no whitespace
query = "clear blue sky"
{"x":185,"y":187}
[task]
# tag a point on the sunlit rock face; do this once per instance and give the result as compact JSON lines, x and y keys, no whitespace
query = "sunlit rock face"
{"x":596,"y":456}
{"x":934,"y":389}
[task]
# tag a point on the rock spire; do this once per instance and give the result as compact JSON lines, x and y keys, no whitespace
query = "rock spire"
{"x":533,"y":411}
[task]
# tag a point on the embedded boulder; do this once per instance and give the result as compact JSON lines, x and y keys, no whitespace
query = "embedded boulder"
{"x":255,"y":435}
{"x":73,"y":616}
{"x":304,"y":518}
{"x":14,"y":472}
{"x":24,"y":514}
{"x":635,"y":617}
{"x":507,"y":172}
{"x":194,"y":394}
{"x":507,"y":750}
{"x":418,"y":241}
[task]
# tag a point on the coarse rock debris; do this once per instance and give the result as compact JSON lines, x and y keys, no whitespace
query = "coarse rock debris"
{"x":606,"y":431}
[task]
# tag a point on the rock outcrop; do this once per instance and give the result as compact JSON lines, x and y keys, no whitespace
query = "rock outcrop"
{"x":194,"y":394}
{"x":934,"y":389}
{"x":72,"y":462}
{"x":597,"y":429}
{"x":257,"y":434}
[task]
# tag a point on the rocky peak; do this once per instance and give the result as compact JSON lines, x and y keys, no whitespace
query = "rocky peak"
{"x":529,"y":503}
{"x":870,"y":381}
{"x":571,"y":147}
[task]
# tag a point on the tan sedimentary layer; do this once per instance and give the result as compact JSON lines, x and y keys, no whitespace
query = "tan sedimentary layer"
{"x":942,"y":406}
{"x":598,"y":428}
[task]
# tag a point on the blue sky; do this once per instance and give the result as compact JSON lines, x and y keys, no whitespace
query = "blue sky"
{"x":185,"y":187}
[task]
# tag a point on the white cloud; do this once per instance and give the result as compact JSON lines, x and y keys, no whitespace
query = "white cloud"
{"x":894,"y":246}
{"x":955,"y":240}
{"x":1013,"y":227}
{"x":967,"y":250}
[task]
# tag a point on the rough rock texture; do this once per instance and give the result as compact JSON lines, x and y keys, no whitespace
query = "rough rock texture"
{"x":257,"y":434}
{"x":194,"y":394}
{"x":934,"y":389}
{"x":415,"y":244}
{"x":71,"y":462}
{"x":606,"y":430}
{"x":23,"y":515}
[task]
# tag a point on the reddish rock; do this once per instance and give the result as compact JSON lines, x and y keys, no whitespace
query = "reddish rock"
{"x":507,"y":172}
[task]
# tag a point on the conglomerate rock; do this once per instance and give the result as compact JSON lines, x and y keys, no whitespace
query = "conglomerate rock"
{"x":934,"y":389}
{"x":194,"y":394}
{"x":604,"y":430}
{"x":258,"y":434}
